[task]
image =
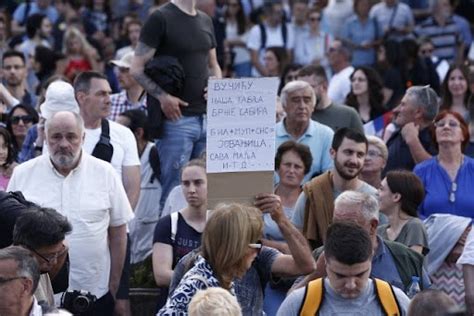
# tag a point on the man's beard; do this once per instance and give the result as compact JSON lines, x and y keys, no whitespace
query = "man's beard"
{"x":62,"y":160}
{"x":343,"y":174}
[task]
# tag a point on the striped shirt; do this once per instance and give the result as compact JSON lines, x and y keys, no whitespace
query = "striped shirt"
{"x":446,"y":39}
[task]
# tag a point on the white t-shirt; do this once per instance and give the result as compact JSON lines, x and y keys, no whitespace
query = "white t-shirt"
{"x":93,"y":199}
{"x":123,"y":141}
{"x":340,"y":85}
{"x":274,"y":38}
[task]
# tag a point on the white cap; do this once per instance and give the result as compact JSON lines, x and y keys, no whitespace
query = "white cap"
{"x":125,"y":61}
{"x":59,"y":97}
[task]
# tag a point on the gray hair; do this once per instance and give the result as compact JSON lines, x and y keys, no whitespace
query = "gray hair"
{"x":367,"y":203}
{"x":379,"y":143}
{"x":426,"y":98}
{"x":78,"y":118}
{"x":293,"y":86}
{"x":27,"y":266}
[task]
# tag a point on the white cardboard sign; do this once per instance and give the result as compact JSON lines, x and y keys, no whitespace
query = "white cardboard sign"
{"x":241,"y":124}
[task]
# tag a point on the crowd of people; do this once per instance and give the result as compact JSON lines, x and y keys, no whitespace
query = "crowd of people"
{"x":103,"y":184}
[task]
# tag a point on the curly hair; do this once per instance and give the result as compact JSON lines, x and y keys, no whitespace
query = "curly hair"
{"x":374,"y":88}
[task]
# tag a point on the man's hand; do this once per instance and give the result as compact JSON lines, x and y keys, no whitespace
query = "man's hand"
{"x":171,"y":106}
{"x":410,"y":132}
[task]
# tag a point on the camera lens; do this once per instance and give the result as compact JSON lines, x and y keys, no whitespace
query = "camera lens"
{"x":81,"y":304}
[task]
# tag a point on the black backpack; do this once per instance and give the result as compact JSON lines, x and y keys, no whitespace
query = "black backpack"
{"x":12,"y":206}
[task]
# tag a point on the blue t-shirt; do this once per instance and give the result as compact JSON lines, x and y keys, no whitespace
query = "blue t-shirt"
{"x":439,"y":188}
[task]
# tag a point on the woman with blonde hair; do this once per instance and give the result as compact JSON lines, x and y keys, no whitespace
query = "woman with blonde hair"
{"x":374,"y":162}
{"x":80,"y":55}
{"x":230,"y":243}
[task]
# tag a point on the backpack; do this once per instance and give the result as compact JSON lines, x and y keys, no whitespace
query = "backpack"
{"x":104,"y":149}
{"x":263,"y":34}
{"x":315,"y":292}
{"x":12,"y":206}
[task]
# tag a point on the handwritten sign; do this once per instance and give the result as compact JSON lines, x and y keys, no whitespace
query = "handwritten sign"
{"x":241,"y":125}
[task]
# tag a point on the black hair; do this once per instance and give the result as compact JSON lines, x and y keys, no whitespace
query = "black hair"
{"x":313,"y":70}
{"x":33,"y":24}
{"x":347,"y":243}
{"x":8,"y":139}
{"x":289,"y":67}
{"x":30,"y":111}
{"x":348,"y":133}
{"x":375,"y":91}
{"x":301,"y":150}
{"x":13,"y":53}
{"x":138,"y":119}
{"x":40,"y":227}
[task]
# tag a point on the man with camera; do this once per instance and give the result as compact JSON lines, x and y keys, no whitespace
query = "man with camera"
{"x":90,"y":194}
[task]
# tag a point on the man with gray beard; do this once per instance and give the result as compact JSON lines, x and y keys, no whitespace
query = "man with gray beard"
{"x":90,"y":194}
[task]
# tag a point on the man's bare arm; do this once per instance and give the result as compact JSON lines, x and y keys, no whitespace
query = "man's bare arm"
{"x":169,"y":104}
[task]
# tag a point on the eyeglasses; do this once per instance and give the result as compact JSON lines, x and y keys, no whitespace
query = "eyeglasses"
{"x":451,"y":124}
{"x":373,"y":154}
{"x":452,"y":194}
{"x":6,"y":280}
{"x":258,"y":245}
{"x":49,"y":258}
{"x":25,"y":118}
{"x":314,"y":19}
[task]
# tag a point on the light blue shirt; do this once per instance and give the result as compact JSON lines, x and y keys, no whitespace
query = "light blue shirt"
{"x":50,"y":12}
{"x":318,"y":138}
{"x":357,"y":32}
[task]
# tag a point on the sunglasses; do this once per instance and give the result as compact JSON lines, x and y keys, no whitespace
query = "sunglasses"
{"x":258,"y":245}
{"x":51,"y":257}
{"x":25,"y":118}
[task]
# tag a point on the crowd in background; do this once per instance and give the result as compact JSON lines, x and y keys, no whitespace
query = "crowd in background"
{"x":375,"y":107}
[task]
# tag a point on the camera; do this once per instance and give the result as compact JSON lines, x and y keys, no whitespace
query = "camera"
{"x":78,"y":302}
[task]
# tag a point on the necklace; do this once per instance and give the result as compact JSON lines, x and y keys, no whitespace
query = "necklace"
{"x":452,"y":174}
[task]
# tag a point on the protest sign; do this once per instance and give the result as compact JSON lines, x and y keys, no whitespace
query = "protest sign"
{"x":240,"y":138}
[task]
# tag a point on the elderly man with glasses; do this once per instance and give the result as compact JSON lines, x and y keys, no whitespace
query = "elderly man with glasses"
{"x":19,"y":276}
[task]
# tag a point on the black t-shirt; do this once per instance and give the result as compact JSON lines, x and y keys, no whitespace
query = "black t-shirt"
{"x":189,"y":38}
{"x":186,"y":239}
{"x":399,"y":155}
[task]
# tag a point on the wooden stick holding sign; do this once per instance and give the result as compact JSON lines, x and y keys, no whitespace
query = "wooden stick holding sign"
{"x":240,"y":138}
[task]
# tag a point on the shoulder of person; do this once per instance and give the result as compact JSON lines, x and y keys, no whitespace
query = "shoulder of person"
{"x":425,"y":165}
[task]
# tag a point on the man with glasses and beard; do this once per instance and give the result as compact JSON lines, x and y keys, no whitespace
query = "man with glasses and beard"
{"x":90,"y":194}
{"x":315,"y":205}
